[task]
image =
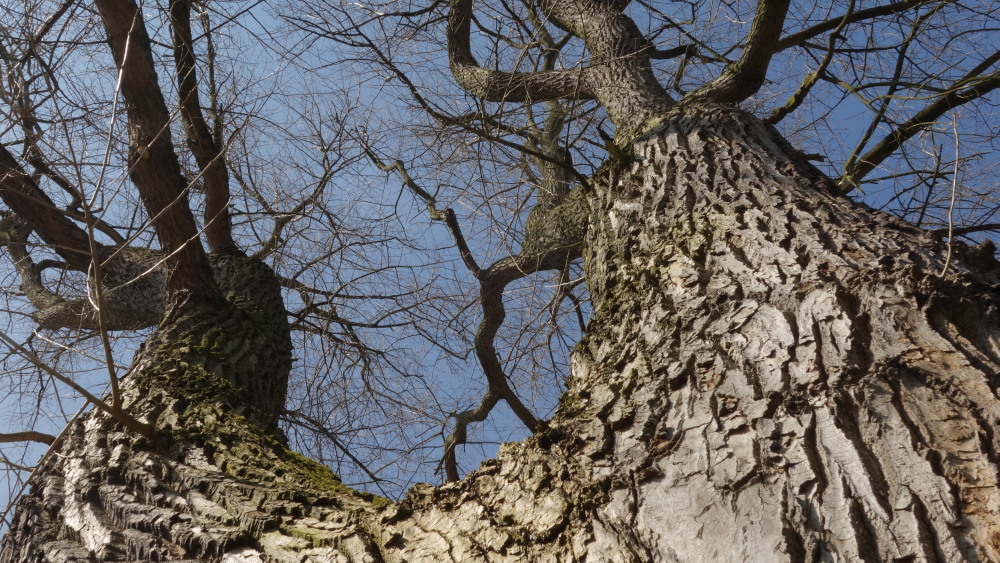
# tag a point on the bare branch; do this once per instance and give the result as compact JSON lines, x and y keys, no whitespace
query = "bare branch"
{"x":215,"y":174}
{"x":970,"y":87}
{"x":153,"y":164}
{"x":960,"y":231}
{"x":744,"y":77}
{"x":28,"y":436}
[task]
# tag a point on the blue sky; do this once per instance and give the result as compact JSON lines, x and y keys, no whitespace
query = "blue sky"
{"x":297,"y":109}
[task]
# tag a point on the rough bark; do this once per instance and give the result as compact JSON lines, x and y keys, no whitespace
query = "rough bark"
{"x":772,"y":373}
{"x":619,"y":75}
{"x":153,"y":164}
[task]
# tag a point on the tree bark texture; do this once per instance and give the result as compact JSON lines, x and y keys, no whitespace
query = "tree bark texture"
{"x":619,"y":75}
{"x":771,"y":373}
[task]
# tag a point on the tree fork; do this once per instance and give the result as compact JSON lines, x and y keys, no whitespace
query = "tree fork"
{"x":770,"y":369}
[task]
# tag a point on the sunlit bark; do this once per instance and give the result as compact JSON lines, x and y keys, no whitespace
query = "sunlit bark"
{"x":772,"y":373}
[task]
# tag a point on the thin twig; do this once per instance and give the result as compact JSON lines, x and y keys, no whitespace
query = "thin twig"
{"x":951,"y":205}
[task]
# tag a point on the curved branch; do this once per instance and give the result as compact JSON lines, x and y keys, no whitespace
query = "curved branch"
{"x":131,"y":295}
{"x":20,"y":192}
{"x":921,"y":120}
{"x":744,"y":77}
{"x":28,"y":436}
{"x":208,"y":154}
{"x":542,"y":250}
{"x":497,"y":86}
{"x":154,"y":167}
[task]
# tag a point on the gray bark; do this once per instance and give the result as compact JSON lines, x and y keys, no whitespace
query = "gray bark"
{"x":772,"y":373}
{"x":619,"y":75}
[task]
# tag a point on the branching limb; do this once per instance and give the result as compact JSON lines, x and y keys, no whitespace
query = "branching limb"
{"x":154,"y":167}
{"x":28,"y":436}
{"x":970,"y":87}
{"x":494,"y":281}
{"x":744,"y":77}
{"x":893,"y":85}
{"x":620,"y":63}
{"x":496,"y":86}
{"x":200,"y":139}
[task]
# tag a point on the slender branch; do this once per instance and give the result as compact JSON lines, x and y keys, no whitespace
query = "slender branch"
{"x":800,"y":37}
{"x":310,"y":423}
{"x":493,"y":281}
{"x":202,"y":142}
{"x":28,"y":436}
{"x":951,"y":200}
{"x":5,"y":461}
{"x":115,"y":412}
{"x":98,"y":302}
{"x":813,"y":77}
{"x":154,"y":167}
{"x":920,"y":121}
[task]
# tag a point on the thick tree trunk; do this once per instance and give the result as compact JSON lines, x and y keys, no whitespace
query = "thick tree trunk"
{"x":772,"y":373}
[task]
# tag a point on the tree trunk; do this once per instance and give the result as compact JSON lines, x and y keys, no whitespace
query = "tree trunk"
{"x":771,"y":373}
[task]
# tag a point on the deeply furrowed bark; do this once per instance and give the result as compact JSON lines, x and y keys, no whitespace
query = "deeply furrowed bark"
{"x":810,"y":380}
{"x":772,"y":373}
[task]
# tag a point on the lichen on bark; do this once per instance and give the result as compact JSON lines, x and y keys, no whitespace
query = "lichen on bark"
{"x":212,"y":384}
{"x":758,"y":380}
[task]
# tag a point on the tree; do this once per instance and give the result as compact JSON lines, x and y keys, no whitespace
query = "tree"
{"x":770,"y":371}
